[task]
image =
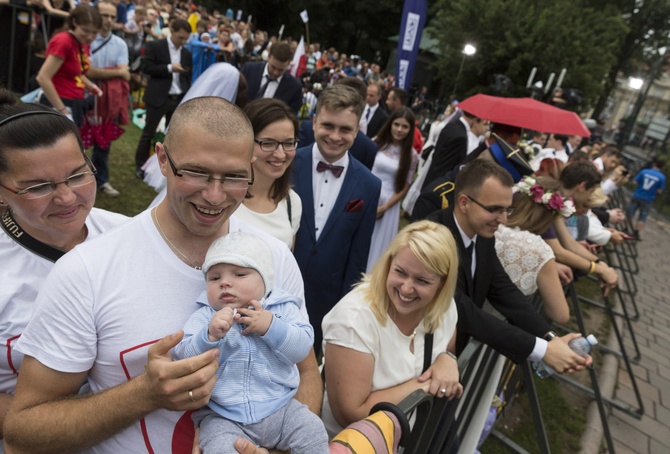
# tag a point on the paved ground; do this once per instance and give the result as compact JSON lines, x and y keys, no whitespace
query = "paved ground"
{"x":651,"y":434}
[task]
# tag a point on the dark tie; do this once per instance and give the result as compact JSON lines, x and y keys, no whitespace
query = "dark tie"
{"x":268,"y":79}
{"x":367,"y":115}
{"x":467,"y":263}
{"x":322,"y":167}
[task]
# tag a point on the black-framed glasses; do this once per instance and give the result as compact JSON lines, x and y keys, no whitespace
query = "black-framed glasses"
{"x":40,"y":190}
{"x":497,"y":210}
{"x":270,"y":145}
{"x":201,"y":179}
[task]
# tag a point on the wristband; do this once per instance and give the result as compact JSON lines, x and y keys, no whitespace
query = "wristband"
{"x":450,"y":355}
{"x":592,"y":267}
{"x":549,"y":336}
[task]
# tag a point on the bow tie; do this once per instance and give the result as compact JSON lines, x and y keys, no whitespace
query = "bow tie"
{"x":322,"y":167}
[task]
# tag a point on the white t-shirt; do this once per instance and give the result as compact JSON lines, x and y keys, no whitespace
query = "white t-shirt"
{"x":24,"y":273}
{"x":108,"y":300}
{"x":277,"y":222}
{"x":352,"y":324}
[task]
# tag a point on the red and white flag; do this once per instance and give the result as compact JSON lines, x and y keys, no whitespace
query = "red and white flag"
{"x":299,"y":64}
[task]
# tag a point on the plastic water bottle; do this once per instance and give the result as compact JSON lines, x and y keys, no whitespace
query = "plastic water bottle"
{"x":581,"y":345}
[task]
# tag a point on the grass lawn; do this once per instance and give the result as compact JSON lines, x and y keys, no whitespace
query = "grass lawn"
{"x":135,"y":194}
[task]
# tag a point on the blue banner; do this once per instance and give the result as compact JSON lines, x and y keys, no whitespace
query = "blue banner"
{"x":413,"y":19}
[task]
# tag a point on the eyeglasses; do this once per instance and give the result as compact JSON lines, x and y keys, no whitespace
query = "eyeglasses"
{"x":497,"y":210}
{"x":201,"y":179}
{"x":269,"y":145}
{"x":49,"y":187}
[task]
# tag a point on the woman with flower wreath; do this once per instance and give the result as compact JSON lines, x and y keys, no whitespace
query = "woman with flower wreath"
{"x":527,"y":259}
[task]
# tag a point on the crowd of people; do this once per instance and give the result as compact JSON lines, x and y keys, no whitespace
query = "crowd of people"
{"x":268,"y":298}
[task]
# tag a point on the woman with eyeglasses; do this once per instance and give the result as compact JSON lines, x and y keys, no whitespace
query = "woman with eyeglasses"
{"x":63,"y":74}
{"x":271,"y":204}
{"x":47,"y":192}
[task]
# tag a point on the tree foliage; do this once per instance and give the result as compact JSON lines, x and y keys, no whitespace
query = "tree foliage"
{"x":514,"y":36}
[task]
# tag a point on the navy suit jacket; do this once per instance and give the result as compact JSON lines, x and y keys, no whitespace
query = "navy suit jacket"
{"x":155,"y":63}
{"x":363,"y":148}
{"x":331,"y":265}
{"x":377,"y":121}
{"x":491,"y":283}
{"x":289,"y":89}
{"x":450,"y":150}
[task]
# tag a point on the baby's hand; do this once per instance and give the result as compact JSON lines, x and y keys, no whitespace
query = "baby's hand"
{"x":220,"y":324}
{"x":256,"y":320}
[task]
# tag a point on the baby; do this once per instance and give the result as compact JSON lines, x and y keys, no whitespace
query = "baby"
{"x":261,"y":336}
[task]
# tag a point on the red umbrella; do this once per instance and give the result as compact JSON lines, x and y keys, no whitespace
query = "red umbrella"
{"x":526,"y":113}
{"x":99,"y":131}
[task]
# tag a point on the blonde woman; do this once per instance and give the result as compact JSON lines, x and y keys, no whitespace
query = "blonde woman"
{"x":374,"y":338}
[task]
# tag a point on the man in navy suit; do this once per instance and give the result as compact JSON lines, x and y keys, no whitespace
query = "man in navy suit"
{"x":168,"y":64}
{"x":363,"y":148}
{"x":271,"y":80}
{"x":339,"y":205}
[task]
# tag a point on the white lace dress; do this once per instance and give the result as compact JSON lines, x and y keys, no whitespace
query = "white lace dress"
{"x":522,"y":254}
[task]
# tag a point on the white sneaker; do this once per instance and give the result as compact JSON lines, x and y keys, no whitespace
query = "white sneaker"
{"x":109,"y":190}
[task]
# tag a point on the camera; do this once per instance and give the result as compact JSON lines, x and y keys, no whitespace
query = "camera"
{"x":625,"y":172}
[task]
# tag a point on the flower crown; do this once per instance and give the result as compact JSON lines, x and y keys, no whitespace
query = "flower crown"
{"x":553,"y":201}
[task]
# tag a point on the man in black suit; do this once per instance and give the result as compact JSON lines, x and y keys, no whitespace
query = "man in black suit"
{"x":271,"y":80}
{"x":451,"y":147}
{"x":168,"y":64}
{"x":374,"y":115}
{"x":483,"y":199}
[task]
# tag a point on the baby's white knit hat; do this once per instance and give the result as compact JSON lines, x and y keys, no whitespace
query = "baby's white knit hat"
{"x":243,"y":249}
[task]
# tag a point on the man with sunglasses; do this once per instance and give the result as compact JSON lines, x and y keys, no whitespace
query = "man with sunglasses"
{"x":483,"y":200}
{"x":110,"y":313}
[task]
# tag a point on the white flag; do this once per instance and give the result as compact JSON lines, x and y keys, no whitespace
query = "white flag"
{"x":239,"y":14}
{"x":281,"y":31}
{"x":304,"y":16}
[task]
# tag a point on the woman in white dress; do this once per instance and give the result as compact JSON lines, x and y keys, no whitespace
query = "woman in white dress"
{"x":374,"y":337}
{"x":395,"y":164}
{"x":526,"y":257}
{"x":271,"y":204}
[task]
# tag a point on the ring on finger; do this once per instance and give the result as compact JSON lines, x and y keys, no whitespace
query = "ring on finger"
{"x":190,"y":395}
{"x":443,"y":390}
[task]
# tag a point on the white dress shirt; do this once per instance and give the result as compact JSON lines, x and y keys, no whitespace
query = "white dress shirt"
{"x":271,"y":89}
{"x":325,"y":187}
{"x":175,"y":57}
{"x":365,"y":118}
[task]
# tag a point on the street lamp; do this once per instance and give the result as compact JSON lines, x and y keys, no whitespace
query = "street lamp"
{"x":468,"y":51}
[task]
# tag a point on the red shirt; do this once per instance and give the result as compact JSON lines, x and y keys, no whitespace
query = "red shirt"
{"x":67,"y":79}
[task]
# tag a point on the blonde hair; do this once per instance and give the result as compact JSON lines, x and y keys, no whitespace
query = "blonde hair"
{"x":597,"y":198}
{"x":434,"y":246}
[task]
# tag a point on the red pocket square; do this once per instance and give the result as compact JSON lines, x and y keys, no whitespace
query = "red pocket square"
{"x":354,"y":206}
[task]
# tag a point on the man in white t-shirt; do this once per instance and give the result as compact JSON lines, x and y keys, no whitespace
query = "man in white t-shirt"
{"x":112,"y":309}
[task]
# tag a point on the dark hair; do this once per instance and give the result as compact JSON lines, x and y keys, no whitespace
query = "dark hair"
{"x":580,"y":172}
{"x":472,"y":176}
{"x":20,"y":133}
{"x":400,"y":95}
{"x":262,"y":113}
{"x":281,"y":51}
{"x":84,"y":15}
{"x":180,"y":24}
{"x":611,"y":150}
{"x":384,"y":137}
{"x":357,"y":84}
{"x":660,"y":163}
